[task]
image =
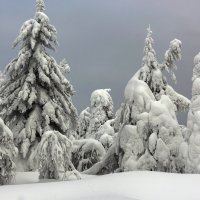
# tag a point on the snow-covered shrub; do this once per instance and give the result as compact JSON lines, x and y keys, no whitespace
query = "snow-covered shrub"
{"x":101,"y":110}
{"x":54,"y":155}
{"x":106,"y":140}
{"x":149,"y":136}
{"x":83,"y":123}
{"x":37,"y":96}
{"x":8,"y":153}
{"x":106,"y":128}
{"x":108,"y":164}
{"x":96,"y":121}
{"x":193,"y":123}
{"x":86,"y":153}
{"x":106,"y":134}
{"x":95,"y":131}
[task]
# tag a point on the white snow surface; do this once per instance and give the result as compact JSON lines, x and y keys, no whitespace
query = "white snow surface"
{"x":121,"y":186}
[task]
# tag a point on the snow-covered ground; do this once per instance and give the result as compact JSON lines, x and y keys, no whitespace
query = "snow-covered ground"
{"x":122,"y":186}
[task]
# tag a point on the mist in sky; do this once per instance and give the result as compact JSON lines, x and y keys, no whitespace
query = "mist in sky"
{"x":103,"y":40}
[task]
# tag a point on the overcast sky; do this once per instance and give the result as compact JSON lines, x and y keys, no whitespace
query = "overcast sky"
{"x":103,"y":40}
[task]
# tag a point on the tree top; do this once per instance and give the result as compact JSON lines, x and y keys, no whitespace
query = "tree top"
{"x":149,"y":31}
{"x":40,"y":6}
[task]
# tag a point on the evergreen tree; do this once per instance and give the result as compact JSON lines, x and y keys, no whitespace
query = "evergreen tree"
{"x":193,"y":124}
{"x":101,"y":110}
{"x":37,"y":96}
{"x":149,"y":135}
{"x":8,"y":154}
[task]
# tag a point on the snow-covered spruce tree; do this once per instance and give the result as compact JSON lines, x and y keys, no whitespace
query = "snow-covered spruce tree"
{"x":101,"y":110}
{"x":191,"y":147}
{"x":37,"y":96}
{"x":149,"y":135}
{"x":54,"y":156}
{"x":8,"y":153}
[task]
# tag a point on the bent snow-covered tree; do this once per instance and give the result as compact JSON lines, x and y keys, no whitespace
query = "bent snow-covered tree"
{"x":8,"y":153}
{"x":54,"y":156}
{"x":149,"y":135}
{"x":37,"y":96}
{"x":86,"y":152}
{"x":191,"y":152}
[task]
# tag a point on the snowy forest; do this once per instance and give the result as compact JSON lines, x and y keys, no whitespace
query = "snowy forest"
{"x":41,"y":129}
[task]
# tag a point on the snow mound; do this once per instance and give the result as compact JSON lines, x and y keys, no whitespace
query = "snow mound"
{"x":122,"y":186}
{"x":138,"y":91}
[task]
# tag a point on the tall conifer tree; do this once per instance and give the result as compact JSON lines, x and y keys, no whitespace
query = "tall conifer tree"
{"x":37,"y":96}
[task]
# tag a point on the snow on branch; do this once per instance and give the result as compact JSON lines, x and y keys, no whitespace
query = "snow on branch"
{"x":196,"y":70}
{"x":171,"y":56}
